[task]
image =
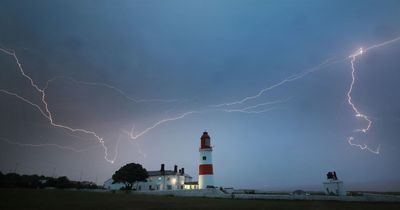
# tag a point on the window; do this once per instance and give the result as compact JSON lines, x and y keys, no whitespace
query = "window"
{"x":207,"y":142}
{"x":204,"y":158}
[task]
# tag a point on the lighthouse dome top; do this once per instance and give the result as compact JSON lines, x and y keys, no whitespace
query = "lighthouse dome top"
{"x":205,"y":135}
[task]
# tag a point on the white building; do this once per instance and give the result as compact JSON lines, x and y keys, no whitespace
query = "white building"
{"x":158,"y":180}
{"x":334,"y":186}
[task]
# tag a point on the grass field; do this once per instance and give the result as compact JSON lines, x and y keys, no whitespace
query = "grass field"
{"x":74,"y":200}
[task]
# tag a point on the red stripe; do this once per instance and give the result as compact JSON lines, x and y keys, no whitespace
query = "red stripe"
{"x":205,"y":169}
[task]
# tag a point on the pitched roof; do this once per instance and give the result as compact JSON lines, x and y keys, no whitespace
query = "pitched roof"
{"x":192,"y":183}
{"x":165,"y":173}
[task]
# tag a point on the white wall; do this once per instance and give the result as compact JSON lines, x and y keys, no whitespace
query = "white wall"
{"x":334,"y":187}
{"x":208,"y":154}
{"x":206,"y":180}
{"x":167,"y":182}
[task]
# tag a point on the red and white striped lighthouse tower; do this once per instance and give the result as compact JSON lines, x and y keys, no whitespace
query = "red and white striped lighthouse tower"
{"x":206,"y":166}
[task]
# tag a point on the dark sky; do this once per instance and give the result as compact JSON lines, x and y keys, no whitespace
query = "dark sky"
{"x":175,"y":57}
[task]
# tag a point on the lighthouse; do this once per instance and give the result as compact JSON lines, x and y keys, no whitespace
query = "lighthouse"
{"x":206,"y":167}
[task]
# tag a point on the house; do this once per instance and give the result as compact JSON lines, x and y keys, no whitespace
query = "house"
{"x":158,"y":180}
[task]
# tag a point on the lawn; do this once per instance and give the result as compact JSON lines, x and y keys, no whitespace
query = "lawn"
{"x":74,"y":200}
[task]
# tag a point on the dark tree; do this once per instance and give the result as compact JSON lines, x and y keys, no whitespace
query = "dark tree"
{"x":50,"y":182}
{"x":12,"y":180}
{"x":129,"y":174}
{"x":63,"y":182}
{"x":1,"y":179}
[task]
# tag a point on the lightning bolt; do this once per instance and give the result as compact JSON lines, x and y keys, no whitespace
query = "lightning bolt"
{"x":291,"y":78}
{"x":49,"y":116}
{"x":249,"y":109}
{"x":249,"y":112}
{"x":117,"y":90}
{"x":133,"y":136}
{"x":363,"y":146}
{"x":349,"y":92}
{"x":357,"y":113}
{"x":244,"y":110}
{"x":24,"y":100}
{"x":46,"y":113}
{"x":382,"y":44}
{"x":57,"y":125}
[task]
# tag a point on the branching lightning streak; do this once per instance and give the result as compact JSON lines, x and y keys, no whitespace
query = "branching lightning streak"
{"x":53,"y":124}
{"x":382,"y":44}
{"x":25,"y":100}
{"x":349,"y":98}
{"x":14,"y":55}
{"x":245,"y":110}
{"x":248,"y":110}
{"x":363,"y":146}
{"x":133,"y":136}
{"x":291,"y":78}
{"x":121,"y":92}
{"x":358,"y":114}
{"x":47,"y":114}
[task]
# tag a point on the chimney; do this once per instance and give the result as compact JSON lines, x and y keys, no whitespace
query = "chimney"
{"x":175,"y":168}
{"x":183,"y":171}
{"x":162,"y":168}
